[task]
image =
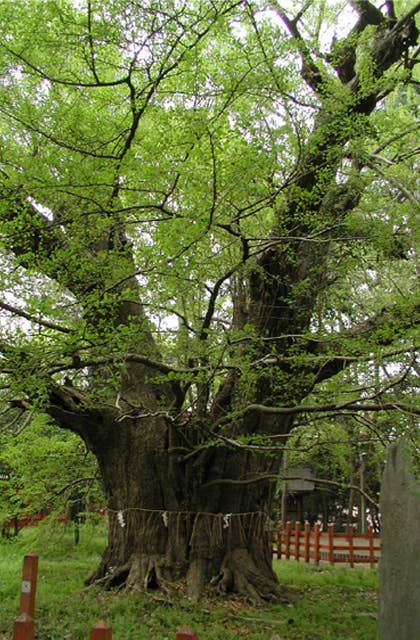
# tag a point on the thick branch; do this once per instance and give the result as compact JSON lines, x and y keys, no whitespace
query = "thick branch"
{"x":310,"y":72}
{"x":381,"y":330}
{"x":277,"y":478}
{"x":32,"y":237}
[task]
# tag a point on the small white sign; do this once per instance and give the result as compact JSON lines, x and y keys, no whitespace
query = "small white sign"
{"x":26,"y":586}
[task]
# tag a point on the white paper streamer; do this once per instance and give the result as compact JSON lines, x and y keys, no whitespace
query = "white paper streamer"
{"x":226,"y":520}
{"x":120,"y":518}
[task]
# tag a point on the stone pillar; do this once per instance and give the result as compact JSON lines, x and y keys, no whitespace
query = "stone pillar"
{"x":399,"y":567}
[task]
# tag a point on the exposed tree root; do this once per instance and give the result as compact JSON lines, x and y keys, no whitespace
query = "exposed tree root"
{"x":139,"y":573}
{"x":146,"y":574}
{"x":206,"y":555}
{"x":237,"y":574}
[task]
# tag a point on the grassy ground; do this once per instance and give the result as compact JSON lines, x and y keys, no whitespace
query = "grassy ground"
{"x":331,"y":603}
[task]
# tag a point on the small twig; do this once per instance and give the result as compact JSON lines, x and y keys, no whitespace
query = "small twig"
{"x":25,"y":423}
{"x":73,"y":483}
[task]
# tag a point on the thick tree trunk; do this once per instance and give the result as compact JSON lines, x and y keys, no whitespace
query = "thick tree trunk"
{"x":170,"y":520}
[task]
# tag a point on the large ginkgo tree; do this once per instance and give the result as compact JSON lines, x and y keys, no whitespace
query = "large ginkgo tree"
{"x":207,"y":217}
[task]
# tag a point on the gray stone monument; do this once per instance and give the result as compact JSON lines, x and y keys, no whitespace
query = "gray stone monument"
{"x":399,"y":567}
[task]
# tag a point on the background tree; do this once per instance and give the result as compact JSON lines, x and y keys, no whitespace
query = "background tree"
{"x":50,"y":473}
{"x":185,"y":187}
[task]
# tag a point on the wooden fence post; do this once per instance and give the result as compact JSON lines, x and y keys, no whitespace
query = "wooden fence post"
{"x":351,"y":544}
{"x":371,"y":547}
{"x":331,"y":543}
{"x":316,"y":542}
{"x":270,"y":543}
{"x":24,"y":628}
{"x":287,"y":540}
{"x":28,"y":588}
{"x":186,"y":634}
{"x":307,"y":538}
{"x":101,"y":631}
{"x":279,"y":539}
{"x":297,"y":540}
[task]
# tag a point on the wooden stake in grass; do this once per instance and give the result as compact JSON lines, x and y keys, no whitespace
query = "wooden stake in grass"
{"x":24,"y":628}
{"x":186,"y":634}
{"x":28,"y":588}
{"x":101,"y":631}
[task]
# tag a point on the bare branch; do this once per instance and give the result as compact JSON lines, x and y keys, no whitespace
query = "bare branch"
{"x":310,"y":72}
{"x":337,"y":407}
{"x":375,"y":162}
{"x":73,"y":483}
{"x":61,"y":81}
{"x":44,"y":323}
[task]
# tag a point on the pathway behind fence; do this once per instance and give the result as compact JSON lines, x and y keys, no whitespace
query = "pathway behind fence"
{"x":315,"y":545}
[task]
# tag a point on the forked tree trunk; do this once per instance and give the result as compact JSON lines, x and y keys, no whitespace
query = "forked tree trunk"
{"x":166,"y":525}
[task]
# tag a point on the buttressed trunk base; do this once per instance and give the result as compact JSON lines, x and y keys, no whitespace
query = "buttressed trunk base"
{"x":222,"y":553}
{"x":155,"y":538}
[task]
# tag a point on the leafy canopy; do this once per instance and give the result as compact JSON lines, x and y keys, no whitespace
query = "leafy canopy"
{"x":153,"y":153}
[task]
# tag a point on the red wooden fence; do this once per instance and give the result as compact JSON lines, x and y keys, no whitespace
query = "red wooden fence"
{"x":320,"y":545}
